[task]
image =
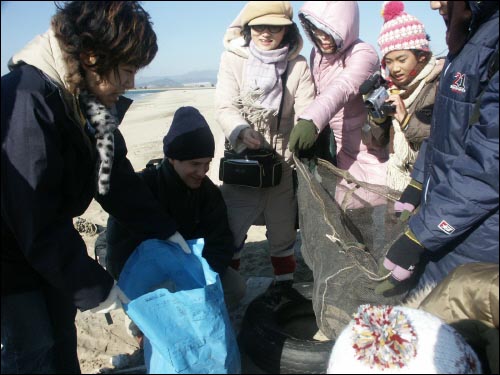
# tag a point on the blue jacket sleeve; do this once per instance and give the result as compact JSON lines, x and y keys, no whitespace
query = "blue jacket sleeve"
{"x":33,"y":198}
{"x":418,"y":168}
{"x":469,"y":194}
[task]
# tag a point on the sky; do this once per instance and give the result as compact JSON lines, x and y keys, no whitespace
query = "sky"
{"x":190,"y":32}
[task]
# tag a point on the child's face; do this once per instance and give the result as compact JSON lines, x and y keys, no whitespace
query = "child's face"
{"x":402,"y":65}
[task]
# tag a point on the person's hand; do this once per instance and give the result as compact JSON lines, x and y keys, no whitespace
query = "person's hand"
{"x":179,"y":240}
{"x":397,"y":102}
{"x":403,"y":210}
{"x":392,"y":274}
{"x":409,"y":200}
{"x":388,"y":282}
{"x":400,"y":262}
{"x":303,"y":136}
{"x":252,"y":139}
{"x":113,"y":301}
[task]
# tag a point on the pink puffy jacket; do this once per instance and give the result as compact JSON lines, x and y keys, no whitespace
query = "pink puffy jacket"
{"x":337,"y":78}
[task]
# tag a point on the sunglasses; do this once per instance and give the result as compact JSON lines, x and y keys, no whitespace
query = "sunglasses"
{"x":273,"y":29}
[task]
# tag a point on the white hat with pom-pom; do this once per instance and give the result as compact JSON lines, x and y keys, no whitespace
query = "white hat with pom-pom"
{"x":400,"y":340}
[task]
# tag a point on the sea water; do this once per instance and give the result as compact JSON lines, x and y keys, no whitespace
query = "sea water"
{"x":137,"y":95}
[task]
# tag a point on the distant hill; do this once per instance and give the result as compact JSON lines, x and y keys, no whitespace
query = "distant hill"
{"x":154,"y":82}
{"x":178,"y":80}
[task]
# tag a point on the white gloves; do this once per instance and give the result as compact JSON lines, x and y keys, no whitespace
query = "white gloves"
{"x":179,"y":240}
{"x":114,"y":301}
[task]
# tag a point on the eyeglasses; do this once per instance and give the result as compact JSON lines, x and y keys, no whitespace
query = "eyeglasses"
{"x":273,"y":29}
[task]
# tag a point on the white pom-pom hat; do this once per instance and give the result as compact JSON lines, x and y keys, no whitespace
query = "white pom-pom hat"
{"x":401,"y":31}
{"x":400,"y":340}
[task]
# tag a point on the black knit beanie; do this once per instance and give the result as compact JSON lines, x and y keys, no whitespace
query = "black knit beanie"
{"x":189,"y":136}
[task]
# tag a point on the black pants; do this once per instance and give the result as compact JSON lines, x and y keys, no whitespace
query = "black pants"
{"x":39,"y":333}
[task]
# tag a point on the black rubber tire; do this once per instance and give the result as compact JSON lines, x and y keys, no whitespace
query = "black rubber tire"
{"x":267,"y":341}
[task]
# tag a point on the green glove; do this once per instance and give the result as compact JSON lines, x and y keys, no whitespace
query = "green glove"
{"x":303,"y":135}
{"x":386,"y":284}
{"x":405,"y":216}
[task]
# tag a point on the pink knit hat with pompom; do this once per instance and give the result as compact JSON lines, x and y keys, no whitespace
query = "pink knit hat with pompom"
{"x":401,"y":30}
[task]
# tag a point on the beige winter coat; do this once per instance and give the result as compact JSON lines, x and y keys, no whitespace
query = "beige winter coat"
{"x":468,"y":300}
{"x":299,"y":93}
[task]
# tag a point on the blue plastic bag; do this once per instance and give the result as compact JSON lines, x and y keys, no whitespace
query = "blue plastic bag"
{"x":178,"y":303}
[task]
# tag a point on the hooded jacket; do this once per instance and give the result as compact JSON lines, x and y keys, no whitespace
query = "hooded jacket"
{"x":337,"y":78}
{"x":458,"y":218}
{"x":49,"y":177}
{"x":298,"y":94}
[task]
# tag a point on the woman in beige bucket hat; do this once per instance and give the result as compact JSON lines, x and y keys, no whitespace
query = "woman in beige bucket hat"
{"x":260,"y":72}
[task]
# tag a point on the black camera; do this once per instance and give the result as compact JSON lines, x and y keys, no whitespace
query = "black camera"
{"x":375,"y":89}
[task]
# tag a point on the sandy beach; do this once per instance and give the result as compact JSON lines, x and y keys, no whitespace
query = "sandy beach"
{"x":144,"y":127}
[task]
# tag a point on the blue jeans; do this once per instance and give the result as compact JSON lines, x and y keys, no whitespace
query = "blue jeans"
{"x":38,"y":333}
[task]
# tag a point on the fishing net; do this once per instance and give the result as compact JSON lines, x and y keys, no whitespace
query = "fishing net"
{"x":346,"y":228}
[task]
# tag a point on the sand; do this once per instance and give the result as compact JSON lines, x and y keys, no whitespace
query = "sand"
{"x":143,"y":128}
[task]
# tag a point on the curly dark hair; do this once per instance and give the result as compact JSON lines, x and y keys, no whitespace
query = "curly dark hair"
{"x":291,"y":37}
{"x":116,"y":32}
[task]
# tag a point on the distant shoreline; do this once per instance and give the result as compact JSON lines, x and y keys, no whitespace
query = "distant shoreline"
{"x":151,"y":89}
{"x":168,"y":88}
{"x":140,"y":94}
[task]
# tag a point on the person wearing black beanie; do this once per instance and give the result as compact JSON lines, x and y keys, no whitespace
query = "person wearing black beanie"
{"x":180,"y":183}
{"x":189,"y":136}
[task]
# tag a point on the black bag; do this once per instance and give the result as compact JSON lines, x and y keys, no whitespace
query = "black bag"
{"x":254,"y":168}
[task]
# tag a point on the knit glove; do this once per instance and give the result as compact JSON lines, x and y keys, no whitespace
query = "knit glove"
{"x":303,"y":136}
{"x":113,"y":301}
{"x":400,"y":261}
{"x":403,"y":210}
{"x":409,"y":200}
{"x":177,"y":239}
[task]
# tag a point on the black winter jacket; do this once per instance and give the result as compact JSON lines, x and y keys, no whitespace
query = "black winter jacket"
{"x":198,"y":213}
{"x":48,"y":178}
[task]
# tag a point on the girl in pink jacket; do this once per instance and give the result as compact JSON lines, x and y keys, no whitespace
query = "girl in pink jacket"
{"x":340,"y":63}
